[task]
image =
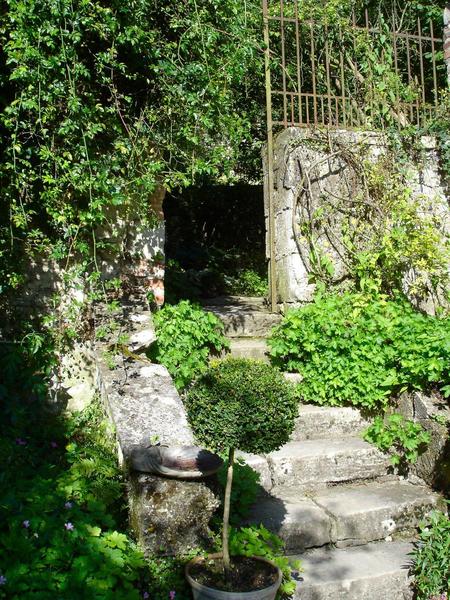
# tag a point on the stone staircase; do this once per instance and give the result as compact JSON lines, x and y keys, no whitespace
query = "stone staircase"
{"x":329,"y":494}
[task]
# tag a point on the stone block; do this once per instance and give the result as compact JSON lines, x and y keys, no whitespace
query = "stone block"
{"x":144,"y":405}
{"x":365,"y":513}
{"x":295,"y":518}
{"x":247,"y":347}
{"x":320,"y":422}
{"x":374,"y":571}
{"x":314,"y":462}
{"x":261,"y":466}
{"x":433,"y":413}
{"x":171,"y":517}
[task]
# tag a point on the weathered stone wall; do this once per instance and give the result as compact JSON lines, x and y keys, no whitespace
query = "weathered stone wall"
{"x":137,"y":260}
{"x":301,"y":163}
{"x":168,"y":516}
{"x":433,"y":413}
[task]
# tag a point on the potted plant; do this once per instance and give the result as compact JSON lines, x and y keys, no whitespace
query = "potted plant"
{"x":247,"y":405}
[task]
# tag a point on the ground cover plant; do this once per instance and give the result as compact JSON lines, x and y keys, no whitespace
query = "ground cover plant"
{"x":431,"y":558}
{"x":356,"y":349}
{"x":63,"y":529}
{"x":240,"y":404}
{"x":187,"y":335}
{"x":404,"y":438}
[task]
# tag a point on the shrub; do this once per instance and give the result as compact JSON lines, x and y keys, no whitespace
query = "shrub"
{"x":431,"y":558}
{"x":243,"y":404}
{"x":356,"y":349}
{"x":240,"y":404}
{"x":187,"y":335}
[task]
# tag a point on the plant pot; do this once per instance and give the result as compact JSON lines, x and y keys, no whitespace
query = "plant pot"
{"x":203,"y":592}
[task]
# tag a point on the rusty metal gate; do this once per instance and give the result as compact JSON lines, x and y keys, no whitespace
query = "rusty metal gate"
{"x":346,"y":75}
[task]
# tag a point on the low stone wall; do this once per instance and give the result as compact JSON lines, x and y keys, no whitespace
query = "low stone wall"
{"x":168,"y":516}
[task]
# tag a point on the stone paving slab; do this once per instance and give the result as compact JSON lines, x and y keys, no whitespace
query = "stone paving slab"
{"x":374,"y":511}
{"x":326,"y":461}
{"x":249,"y":348}
{"x":245,"y":323}
{"x":143,"y":403}
{"x":320,"y":422}
{"x":344,"y":515}
{"x":371,"y":572}
{"x":296,"y":519}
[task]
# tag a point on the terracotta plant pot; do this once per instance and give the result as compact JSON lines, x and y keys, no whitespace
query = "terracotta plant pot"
{"x":202,"y":592}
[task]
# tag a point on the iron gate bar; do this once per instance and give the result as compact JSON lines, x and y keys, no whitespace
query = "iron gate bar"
{"x":269,"y":164}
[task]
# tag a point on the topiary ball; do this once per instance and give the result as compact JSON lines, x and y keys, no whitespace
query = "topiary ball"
{"x":243,"y":404}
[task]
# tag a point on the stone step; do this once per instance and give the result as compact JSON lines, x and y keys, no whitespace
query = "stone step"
{"x":255,"y":348}
{"x":243,"y":302}
{"x":239,"y":322}
{"x":346,"y":515}
{"x":315,"y":462}
{"x":377,"y":571}
{"x":320,"y":422}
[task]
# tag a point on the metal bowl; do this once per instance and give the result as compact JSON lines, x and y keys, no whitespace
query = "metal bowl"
{"x":179,"y":462}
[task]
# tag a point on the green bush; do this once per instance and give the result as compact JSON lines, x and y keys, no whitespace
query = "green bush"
{"x":356,"y":349}
{"x":243,"y":404}
{"x":187,"y":335}
{"x":431,"y":558}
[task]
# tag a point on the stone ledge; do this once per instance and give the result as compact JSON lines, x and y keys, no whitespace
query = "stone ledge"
{"x":168,"y":516}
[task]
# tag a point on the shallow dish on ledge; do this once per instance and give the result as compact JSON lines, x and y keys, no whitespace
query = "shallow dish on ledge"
{"x":179,"y":462}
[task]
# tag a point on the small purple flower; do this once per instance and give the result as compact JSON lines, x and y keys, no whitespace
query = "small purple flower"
{"x":26,"y":523}
{"x":146,"y":595}
{"x":69,"y":526}
{"x":68,"y":505}
{"x":3,"y":580}
{"x":53,"y":444}
{"x":20,"y":442}
{"x":172,"y":595}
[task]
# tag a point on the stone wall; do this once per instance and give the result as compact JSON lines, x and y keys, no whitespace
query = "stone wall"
{"x":167,"y":516}
{"x":137,"y":260}
{"x":302,"y":163}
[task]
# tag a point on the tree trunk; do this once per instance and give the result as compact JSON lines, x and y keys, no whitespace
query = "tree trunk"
{"x":226,"y":513}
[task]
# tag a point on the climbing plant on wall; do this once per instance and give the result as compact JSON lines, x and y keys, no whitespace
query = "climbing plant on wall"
{"x":101,"y":103}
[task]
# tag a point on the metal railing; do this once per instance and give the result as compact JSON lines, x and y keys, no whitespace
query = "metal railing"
{"x":349,"y":75}
{"x":345,"y":75}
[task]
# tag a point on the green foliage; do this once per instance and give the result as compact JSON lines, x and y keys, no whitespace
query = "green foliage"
{"x":258,"y":541}
{"x":104,"y":102}
{"x":360,"y":350}
{"x":247,"y":283}
{"x":431,"y":558}
{"x":242,"y":404}
{"x":187,"y":335}
{"x":404,"y":439}
{"x":61,"y":500}
{"x":244,"y":491}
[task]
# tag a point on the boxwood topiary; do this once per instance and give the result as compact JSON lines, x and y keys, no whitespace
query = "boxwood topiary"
{"x":240,"y":404}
